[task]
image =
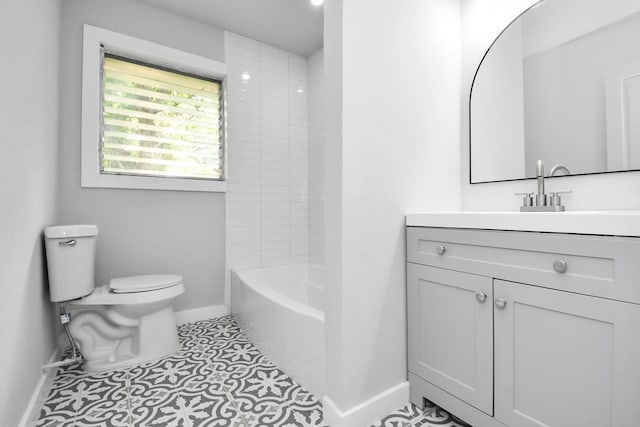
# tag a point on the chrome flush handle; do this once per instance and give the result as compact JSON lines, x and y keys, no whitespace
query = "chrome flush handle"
{"x":71,"y":242}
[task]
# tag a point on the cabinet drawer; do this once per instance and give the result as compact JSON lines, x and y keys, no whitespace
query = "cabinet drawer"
{"x":602,"y":266}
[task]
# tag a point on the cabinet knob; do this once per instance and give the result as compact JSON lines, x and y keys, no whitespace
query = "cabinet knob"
{"x":501,"y":303}
{"x":560,"y":266}
{"x":481,"y":296}
{"x":440,"y":250}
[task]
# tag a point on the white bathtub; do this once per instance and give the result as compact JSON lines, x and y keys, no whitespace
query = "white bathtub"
{"x":281,"y":311}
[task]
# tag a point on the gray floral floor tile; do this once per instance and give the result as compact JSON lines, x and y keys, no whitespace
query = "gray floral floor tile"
{"x":303,"y":410}
{"x":310,"y":418}
{"x":210,"y":409}
{"x":218,"y":378}
{"x":104,"y":397}
{"x":164,"y":412}
{"x":56,"y":420}
{"x":431,"y":416}
{"x":114,"y":417}
{"x":148,"y":406}
{"x":258,"y":389}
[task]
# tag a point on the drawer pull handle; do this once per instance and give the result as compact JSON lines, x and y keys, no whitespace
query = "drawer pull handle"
{"x":481,"y":296}
{"x":440,"y":250}
{"x":560,"y":266}
{"x":501,"y":303}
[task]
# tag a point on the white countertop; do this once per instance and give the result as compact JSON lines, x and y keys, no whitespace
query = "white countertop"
{"x":611,"y":223}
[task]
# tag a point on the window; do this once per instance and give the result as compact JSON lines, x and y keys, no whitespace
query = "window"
{"x":152,"y":116}
{"x":159,"y":123}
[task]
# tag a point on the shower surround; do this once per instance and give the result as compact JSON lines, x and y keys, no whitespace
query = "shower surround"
{"x":274,"y":158}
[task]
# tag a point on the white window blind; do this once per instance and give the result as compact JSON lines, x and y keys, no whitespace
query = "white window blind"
{"x":157,"y":122}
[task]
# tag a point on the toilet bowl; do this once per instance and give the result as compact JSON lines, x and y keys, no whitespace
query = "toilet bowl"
{"x":114,"y":327}
{"x":128,"y":321}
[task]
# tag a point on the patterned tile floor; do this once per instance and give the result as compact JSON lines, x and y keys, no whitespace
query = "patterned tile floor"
{"x":218,"y":378}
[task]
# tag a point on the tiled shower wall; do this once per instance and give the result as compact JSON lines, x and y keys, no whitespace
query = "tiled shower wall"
{"x":268,"y":196}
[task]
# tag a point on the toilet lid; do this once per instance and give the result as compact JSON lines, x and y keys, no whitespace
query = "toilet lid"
{"x":147,"y":282}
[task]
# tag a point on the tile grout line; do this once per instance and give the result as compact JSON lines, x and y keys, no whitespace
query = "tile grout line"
{"x":129,"y":408}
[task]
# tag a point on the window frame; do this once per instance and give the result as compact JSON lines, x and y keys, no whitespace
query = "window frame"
{"x":94,"y":40}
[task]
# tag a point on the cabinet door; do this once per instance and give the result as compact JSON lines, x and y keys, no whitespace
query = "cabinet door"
{"x":565,"y":360}
{"x":450,"y":332}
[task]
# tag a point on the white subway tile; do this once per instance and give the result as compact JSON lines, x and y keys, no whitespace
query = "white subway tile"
{"x":274,"y":262}
{"x":275,"y":197}
{"x":298,"y":260}
{"x":275,"y":233}
{"x":301,"y":252}
{"x":274,"y":222}
{"x":275,"y":248}
{"x":245,"y":261}
{"x":275,"y":155}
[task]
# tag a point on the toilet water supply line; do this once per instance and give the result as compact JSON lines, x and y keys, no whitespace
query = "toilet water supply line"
{"x":76,"y":357}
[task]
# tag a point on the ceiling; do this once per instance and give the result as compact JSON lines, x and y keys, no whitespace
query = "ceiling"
{"x":292,"y":25}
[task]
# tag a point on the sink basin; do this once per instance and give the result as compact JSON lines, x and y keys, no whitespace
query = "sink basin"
{"x":610,"y":223}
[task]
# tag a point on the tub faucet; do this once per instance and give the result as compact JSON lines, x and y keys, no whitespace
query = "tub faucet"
{"x":543,"y":202}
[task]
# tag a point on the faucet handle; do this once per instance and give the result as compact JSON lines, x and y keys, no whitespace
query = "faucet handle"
{"x":527,"y":198}
{"x":555,"y":197}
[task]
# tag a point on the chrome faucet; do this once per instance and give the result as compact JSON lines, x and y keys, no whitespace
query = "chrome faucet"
{"x":543,"y":202}
{"x":559,"y":168}
{"x":541,"y":197}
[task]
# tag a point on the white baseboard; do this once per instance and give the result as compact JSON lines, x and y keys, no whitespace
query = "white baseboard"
{"x":31,"y":412}
{"x":370,"y":411}
{"x":201,"y":313}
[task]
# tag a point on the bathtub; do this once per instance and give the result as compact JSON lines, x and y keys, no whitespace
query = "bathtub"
{"x":281,"y":311}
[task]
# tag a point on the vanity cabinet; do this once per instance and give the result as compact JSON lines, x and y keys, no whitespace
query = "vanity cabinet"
{"x":525,"y":329}
{"x":451,"y":332}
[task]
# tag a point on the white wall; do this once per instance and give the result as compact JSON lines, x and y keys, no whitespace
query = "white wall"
{"x":481,"y":22}
{"x":29,"y":36}
{"x":392,"y":147}
{"x":268,"y":152}
{"x":333,"y":75}
{"x":141,"y":231}
{"x":316,"y":120}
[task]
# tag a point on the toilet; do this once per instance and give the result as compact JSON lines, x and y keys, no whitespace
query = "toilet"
{"x":128,"y":321}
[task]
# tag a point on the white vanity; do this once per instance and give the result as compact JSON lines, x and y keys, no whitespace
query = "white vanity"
{"x":526,"y":319}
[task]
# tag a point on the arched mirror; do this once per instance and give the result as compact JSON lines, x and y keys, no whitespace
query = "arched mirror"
{"x":560,"y":84}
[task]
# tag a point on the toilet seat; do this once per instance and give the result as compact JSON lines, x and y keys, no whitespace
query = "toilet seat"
{"x":104,"y":295}
{"x":147,"y":282}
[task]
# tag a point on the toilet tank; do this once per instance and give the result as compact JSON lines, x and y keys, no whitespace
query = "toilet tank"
{"x":70,"y":260}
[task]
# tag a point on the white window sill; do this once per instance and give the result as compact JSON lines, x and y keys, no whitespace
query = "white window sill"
{"x":153,"y":183}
